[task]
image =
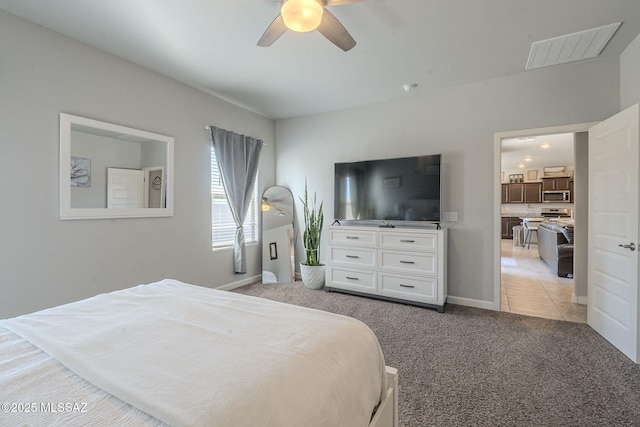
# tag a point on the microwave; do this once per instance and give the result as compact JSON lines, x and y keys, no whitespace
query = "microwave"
{"x":556,"y":196}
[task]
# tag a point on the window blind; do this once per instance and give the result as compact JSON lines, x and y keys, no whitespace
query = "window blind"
{"x":223,"y":227}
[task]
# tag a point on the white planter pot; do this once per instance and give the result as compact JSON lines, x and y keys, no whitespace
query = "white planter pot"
{"x":312,"y":276}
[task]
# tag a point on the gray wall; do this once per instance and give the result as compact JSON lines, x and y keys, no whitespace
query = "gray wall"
{"x":460,"y":123}
{"x":45,"y":261}
{"x":630,"y":75}
{"x":103,"y":153}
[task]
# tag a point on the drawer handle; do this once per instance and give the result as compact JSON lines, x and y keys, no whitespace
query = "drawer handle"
{"x":352,"y":256}
{"x":407,"y":241}
{"x":407,"y":262}
{"x":352,"y":237}
{"x":352,"y":278}
{"x":406,"y":286}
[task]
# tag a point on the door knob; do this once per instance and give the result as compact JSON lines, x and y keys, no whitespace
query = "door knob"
{"x":631,"y":246}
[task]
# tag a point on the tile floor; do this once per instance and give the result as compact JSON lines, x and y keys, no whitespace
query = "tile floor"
{"x":531,"y":288}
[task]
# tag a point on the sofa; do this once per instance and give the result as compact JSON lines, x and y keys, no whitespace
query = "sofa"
{"x":555,"y":246}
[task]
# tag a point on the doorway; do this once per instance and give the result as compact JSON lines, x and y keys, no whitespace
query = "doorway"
{"x":537,"y":278}
{"x":526,"y":273}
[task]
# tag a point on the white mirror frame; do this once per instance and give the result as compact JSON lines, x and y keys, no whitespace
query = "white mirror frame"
{"x":67,"y":212}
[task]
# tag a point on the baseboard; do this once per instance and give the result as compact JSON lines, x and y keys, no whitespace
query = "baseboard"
{"x":579,"y":299}
{"x":468,"y":302}
{"x":240,"y":283}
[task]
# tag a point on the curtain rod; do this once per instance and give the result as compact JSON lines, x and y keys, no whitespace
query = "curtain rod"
{"x":209,"y":128}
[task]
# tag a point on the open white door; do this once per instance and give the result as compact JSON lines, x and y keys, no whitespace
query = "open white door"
{"x":125,"y":188}
{"x":612,"y":308}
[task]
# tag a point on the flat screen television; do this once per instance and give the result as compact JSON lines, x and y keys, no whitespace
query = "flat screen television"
{"x":401,"y":189}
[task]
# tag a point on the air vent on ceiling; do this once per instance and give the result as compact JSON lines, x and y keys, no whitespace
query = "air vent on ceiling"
{"x":572,"y":47}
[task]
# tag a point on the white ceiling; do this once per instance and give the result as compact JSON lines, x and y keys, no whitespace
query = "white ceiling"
{"x":211,"y":44}
{"x":542,"y":151}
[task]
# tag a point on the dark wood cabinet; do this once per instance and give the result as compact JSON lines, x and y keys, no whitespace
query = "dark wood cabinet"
{"x":508,"y":222}
{"x":527,"y":192}
{"x":571,"y":191}
{"x":516,"y":193}
{"x":558,"y":183}
{"x":532,"y":192}
{"x":505,"y":228}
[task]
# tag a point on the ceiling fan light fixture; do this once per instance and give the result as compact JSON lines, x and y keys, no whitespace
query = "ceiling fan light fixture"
{"x":302,"y":15}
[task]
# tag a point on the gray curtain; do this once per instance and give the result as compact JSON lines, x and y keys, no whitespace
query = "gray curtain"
{"x":238,"y":158}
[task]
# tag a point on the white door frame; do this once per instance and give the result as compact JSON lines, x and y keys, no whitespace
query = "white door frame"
{"x":497,"y":189}
{"x":147,"y":171}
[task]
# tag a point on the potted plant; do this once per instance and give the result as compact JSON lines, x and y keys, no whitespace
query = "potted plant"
{"x":311,"y":270}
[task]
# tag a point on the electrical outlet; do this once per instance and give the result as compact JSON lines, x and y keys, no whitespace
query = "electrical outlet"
{"x":450,"y":216}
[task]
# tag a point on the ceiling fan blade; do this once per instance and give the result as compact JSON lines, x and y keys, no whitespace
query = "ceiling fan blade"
{"x":333,"y":30}
{"x":339,"y":2}
{"x":273,"y":32}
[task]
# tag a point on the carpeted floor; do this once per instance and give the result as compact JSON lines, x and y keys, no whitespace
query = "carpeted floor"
{"x":473,"y":367}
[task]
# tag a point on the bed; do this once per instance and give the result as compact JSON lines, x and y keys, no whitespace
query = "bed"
{"x":170,"y":353}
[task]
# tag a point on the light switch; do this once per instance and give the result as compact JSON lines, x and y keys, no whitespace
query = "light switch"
{"x":449,"y":216}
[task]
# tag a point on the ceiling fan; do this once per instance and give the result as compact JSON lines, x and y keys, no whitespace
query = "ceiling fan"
{"x":308,"y":15}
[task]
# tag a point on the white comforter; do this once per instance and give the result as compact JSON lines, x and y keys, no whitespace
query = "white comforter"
{"x":194,"y":356}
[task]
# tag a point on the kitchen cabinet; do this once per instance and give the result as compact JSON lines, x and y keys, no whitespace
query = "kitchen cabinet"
{"x":557,"y":183}
{"x":527,"y":192}
{"x":516,"y":193}
{"x":508,"y":222}
{"x":571,"y":190}
{"x":533,"y":192}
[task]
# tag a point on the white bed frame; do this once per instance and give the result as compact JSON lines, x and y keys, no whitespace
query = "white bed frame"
{"x":387,"y":413}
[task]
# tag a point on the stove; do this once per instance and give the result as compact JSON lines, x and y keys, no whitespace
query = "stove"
{"x":555,"y":212}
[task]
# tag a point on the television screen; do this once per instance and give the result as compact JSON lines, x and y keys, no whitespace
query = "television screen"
{"x":402,"y":189}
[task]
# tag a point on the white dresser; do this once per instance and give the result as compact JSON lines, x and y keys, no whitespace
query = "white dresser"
{"x":399,"y":264}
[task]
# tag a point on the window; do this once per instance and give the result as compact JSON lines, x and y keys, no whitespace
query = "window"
{"x":223,"y":228}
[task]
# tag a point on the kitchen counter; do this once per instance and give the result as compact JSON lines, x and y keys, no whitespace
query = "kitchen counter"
{"x":519,"y":215}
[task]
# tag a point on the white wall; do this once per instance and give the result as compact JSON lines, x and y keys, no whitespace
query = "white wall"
{"x":45,"y":261}
{"x":460,"y":123}
{"x":630,"y":75}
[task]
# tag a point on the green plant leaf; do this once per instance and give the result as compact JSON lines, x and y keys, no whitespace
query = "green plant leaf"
{"x":313,"y":223}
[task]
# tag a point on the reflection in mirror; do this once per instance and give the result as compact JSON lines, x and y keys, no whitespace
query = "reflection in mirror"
{"x":277,"y":235}
{"x":112,"y":171}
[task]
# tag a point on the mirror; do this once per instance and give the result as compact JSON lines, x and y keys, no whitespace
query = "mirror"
{"x":277,"y":235}
{"x":113,"y":171}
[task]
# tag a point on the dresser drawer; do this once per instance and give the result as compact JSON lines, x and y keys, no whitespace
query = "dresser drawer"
{"x":352,"y":237}
{"x":409,"y":241}
{"x":356,"y":280}
{"x":424,"y":289}
{"x":361,"y":257}
{"x":410,"y":262}
{"x":401,"y":264}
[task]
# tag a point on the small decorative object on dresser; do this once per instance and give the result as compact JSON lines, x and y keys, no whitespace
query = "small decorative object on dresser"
{"x":400,"y":264}
{"x":311,"y":270}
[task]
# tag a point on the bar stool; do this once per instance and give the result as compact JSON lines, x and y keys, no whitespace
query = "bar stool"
{"x":528,"y":231}
{"x":517,"y":235}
